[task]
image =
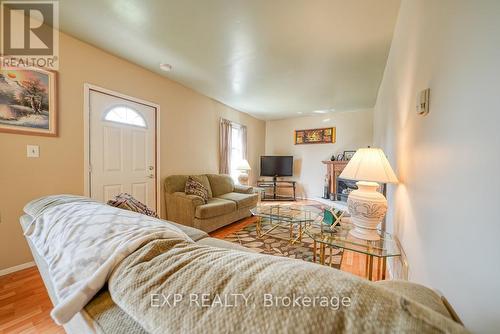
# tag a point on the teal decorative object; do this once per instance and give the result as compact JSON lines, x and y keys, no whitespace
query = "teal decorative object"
{"x":328,"y":217}
{"x":332,"y":217}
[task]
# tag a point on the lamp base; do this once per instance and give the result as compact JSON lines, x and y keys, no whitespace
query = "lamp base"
{"x":243,"y":179}
{"x":367,"y":208}
{"x":364,"y":233}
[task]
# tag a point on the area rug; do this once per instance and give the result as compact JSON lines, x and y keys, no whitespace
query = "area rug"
{"x":273,"y":243}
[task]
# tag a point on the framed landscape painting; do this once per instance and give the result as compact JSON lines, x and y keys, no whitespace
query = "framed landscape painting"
{"x":315,"y":136}
{"x":28,"y":101}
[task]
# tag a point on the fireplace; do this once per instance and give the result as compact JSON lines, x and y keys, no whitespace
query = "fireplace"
{"x":344,"y":187}
{"x":333,"y":169}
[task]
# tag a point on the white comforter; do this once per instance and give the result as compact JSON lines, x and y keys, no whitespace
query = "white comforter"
{"x":82,"y":241}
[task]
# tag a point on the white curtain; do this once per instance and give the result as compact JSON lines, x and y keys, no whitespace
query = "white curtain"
{"x":225,"y":145}
{"x":244,"y":142}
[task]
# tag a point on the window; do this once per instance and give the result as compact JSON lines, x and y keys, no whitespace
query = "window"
{"x":236,"y":150}
{"x":125,"y":115}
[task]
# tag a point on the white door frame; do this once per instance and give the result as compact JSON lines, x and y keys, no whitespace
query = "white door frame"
{"x":87,"y":88}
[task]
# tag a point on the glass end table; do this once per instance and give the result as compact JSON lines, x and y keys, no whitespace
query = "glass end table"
{"x":291,"y":217}
{"x":339,"y":237}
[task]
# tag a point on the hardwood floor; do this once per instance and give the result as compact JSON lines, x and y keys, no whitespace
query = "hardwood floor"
{"x":25,"y":305}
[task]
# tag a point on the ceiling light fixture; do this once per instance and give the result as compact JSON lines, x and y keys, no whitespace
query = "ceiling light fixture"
{"x":165,"y":67}
{"x":324,"y":111}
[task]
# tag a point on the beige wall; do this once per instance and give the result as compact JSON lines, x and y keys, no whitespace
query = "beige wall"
{"x":189,"y":136}
{"x":354,"y":130}
{"x":446,"y":210}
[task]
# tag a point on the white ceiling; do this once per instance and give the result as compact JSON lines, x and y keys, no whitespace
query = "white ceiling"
{"x":270,"y":58}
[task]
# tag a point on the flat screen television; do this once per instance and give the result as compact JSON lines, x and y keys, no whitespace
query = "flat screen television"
{"x":273,"y":165}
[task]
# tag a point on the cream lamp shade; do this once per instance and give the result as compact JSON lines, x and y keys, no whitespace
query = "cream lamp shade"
{"x":243,"y":165}
{"x":366,"y":205}
{"x":369,"y":164}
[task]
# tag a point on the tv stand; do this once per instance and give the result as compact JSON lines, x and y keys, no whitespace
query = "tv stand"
{"x":275,"y":185}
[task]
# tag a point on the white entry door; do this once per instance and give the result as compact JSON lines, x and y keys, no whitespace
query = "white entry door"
{"x":122,"y":148}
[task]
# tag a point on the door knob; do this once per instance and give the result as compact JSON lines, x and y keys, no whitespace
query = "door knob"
{"x":151,"y":176}
{"x":151,"y":167}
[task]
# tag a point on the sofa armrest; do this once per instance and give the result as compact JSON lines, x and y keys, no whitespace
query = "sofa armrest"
{"x":193,"y":199}
{"x":238,"y":188}
{"x":181,"y":207}
{"x":420,"y":294}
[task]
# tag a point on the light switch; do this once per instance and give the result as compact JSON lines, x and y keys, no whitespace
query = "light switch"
{"x":423,"y":102}
{"x":32,"y":151}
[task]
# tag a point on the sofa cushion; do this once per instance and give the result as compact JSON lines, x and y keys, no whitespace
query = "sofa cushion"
{"x":215,"y":207}
{"x":177,"y":183}
{"x":195,"y":187}
{"x":238,"y":188}
{"x":241,"y":200}
{"x":203,"y":179}
{"x":220,"y":184}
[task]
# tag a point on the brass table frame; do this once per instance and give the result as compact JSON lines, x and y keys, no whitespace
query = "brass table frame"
{"x":381,"y":266}
{"x":277,"y":220}
{"x":280,"y":224}
{"x":373,"y":268}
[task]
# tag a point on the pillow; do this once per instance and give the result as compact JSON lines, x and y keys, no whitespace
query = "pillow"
{"x":128,"y":202}
{"x":194,"y":187}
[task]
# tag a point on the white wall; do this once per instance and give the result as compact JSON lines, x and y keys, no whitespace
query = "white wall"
{"x":354,"y":130}
{"x":446,"y":211}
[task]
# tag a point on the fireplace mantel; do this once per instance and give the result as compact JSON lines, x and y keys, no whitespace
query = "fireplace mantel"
{"x":333,"y":169}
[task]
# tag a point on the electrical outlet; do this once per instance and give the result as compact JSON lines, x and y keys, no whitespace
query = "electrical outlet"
{"x":32,"y":151}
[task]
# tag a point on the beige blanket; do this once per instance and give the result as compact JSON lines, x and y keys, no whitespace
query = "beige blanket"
{"x":171,"y":286}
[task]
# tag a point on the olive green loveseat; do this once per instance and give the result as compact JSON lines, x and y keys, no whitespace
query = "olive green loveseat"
{"x":227,"y":202}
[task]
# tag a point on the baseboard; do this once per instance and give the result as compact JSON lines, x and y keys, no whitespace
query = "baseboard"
{"x":398,"y":267}
{"x":10,"y":270}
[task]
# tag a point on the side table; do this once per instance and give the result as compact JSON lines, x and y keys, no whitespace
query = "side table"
{"x":323,"y":238}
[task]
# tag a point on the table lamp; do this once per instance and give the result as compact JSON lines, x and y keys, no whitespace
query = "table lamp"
{"x":243,"y":167}
{"x":366,"y":205}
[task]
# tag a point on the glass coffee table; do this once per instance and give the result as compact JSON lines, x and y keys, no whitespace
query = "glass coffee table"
{"x":285,"y":216}
{"x":324,"y":237}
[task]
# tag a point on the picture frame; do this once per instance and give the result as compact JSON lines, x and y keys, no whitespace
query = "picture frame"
{"x":28,"y":101}
{"x":348,"y":155}
{"x":315,"y":136}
